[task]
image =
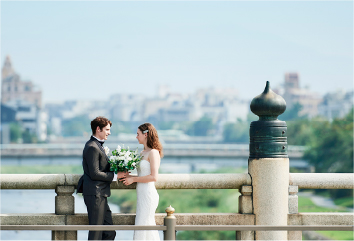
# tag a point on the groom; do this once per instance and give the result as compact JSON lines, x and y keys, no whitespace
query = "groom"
{"x":97,"y":178}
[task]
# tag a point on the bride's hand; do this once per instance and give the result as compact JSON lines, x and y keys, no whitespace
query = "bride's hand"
{"x":129,"y":175}
{"x":128,"y":180}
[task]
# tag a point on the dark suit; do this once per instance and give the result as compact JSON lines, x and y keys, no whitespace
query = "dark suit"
{"x":95,"y":186}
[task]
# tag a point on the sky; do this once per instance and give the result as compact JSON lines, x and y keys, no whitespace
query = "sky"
{"x":81,"y":50}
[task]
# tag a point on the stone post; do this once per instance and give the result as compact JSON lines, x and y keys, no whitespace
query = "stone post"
{"x":170,"y":223}
{"x":293,"y":208}
{"x":64,"y":205}
{"x":245,"y":207}
{"x":268,"y":164}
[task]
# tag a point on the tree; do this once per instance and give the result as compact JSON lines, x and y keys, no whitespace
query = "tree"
{"x":333,"y":149}
{"x":76,"y":126}
{"x":29,"y":137}
{"x":15,"y":131}
{"x":306,"y":132}
{"x":293,"y":113}
{"x":201,"y":128}
{"x":236,"y":132}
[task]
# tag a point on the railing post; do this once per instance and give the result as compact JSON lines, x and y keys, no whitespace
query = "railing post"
{"x":170,"y":223}
{"x":245,"y":207}
{"x":268,"y":164}
{"x":293,"y":208}
{"x":64,"y":205}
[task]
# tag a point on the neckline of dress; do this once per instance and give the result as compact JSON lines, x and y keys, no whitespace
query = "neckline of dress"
{"x":144,"y":160}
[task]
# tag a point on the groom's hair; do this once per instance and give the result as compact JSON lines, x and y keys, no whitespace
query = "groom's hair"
{"x":101,"y":122}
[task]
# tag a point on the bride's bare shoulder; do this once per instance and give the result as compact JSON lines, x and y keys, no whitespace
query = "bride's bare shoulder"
{"x":154,"y":153}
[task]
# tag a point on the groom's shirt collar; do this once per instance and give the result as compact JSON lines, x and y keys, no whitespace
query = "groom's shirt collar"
{"x":100,"y":141}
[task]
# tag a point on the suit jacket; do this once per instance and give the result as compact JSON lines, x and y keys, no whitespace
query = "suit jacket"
{"x":97,"y":177}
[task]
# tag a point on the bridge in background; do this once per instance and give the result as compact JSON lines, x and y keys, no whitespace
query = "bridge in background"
{"x":170,"y":150}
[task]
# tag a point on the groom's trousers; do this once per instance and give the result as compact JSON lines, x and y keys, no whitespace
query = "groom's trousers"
{"x":99,"y":213}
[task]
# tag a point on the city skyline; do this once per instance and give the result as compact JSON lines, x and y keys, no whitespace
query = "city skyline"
{"x":69,"y":49}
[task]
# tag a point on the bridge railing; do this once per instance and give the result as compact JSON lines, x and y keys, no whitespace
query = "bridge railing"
{"x":65,"y":184}
{"x":183,"y":181}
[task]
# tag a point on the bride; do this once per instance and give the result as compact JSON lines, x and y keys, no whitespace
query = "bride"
{"x":147,"y":196}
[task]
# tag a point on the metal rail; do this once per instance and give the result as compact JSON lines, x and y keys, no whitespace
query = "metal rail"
{"x":182,"y":227}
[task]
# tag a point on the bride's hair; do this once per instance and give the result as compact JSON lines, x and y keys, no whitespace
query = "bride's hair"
{"x":152,"y":137}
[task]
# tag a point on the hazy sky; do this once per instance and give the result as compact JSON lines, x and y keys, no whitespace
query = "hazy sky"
{"x":91,"y":49}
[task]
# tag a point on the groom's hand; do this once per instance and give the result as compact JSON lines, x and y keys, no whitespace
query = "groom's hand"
{"x":122,"y":174}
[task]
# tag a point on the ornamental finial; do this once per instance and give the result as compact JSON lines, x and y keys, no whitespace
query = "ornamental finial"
{"x":268,"y":105}
{"x":169,"y":210}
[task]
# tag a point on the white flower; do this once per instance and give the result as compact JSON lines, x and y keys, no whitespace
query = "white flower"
{"x":127,"y":154}
{"x":121,"y":158}
{"x":133,"y":164}
{"x":106,"y":150}
{"x":126,"y":162}
{"x":119,"y":148}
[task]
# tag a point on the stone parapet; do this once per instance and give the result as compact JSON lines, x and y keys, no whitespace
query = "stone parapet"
{"x":165,"y":181}
{"x":322,"y":180}
{"x":183,"y":181}
{"x":182,"y":219}
{"x":127,"y":219}
{"x":32,"y":219}
{"x":321,"y":219}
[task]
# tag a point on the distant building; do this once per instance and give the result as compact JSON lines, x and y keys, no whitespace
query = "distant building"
{"x":125,"y":107}
{"x":294,"y":94}
{"x":336,"y":104}
{"x":26,"y":114}
{"x":24,"y":100}
{"x":221,"y":105}
{"x":13,"y":88}
{"x":59,"y":112}
{"x":292,"y":81}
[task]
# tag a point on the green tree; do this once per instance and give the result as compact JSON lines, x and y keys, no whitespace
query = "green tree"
{"x":236,"y":132}
{"x":29,"y":137}
{"x":293,"y":113}
{"x":122,"y":127}
{"x":306,"y":132}
{"x":165,"y":125}
{"x":15,"y":131}
{"x":76,"y":126}
{"x":333,"y":149}
{"x":201,"y":128}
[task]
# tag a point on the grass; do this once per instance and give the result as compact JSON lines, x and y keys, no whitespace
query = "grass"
{"x":338,"y":235}
{"x":306,"y":205}
{"x":345,"y":202}
{"x":47,"y":169}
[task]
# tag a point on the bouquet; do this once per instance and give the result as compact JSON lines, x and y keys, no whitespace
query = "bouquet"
{"x":123,"y":160}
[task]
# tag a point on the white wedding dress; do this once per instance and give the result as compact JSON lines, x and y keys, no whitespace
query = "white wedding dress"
{"x":146,"y":204}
